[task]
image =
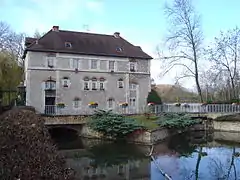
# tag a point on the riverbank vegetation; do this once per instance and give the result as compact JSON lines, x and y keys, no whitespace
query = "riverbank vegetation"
{"x":119,"y":126}
{"x":176,"y":120}
{"x":113,"y":125}
{"x":27,"y":151}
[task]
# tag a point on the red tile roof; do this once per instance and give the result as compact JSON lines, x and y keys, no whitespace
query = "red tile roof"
{"x":85,"y":44}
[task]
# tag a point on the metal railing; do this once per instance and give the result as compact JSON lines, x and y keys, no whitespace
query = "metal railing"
{"x":196,"y":108}
{"x":54,"y":110}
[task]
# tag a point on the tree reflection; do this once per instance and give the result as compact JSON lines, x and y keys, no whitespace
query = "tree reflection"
{"x":225,"y":169}
{"x":108,"y":155}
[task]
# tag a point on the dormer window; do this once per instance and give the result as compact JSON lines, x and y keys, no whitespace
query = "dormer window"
{"x":119,"y":49}
{"x":68,"y":45}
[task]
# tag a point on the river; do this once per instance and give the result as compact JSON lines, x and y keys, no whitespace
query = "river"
{"x":182,"y":157}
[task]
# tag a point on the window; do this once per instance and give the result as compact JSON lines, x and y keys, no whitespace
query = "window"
{"x":50,"y":62}
{"x":120,"y":83}
{"x":50,"y":85}
{"x":119,"y":49}
{"x":94,"y":64}
{"x":68,"y":45}
{"x":132,"y":66}
{"x":86,"y":85}
{"x":65,"y":82}
{"x":101,"y":86}
{"x":132,"y":86}
{"x":111,"y":65}
{"x":76,"y":63}
{"x":76,"y":103}
{"x":94,"y":85}
{"x":110,"y":103}
{"x":132,"y":102}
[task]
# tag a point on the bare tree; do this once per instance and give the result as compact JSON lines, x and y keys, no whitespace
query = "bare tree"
{"x":225,"y":54}
{"x":184,"y":40}
{"x":37,"y":34}
{"x":11,"y":42}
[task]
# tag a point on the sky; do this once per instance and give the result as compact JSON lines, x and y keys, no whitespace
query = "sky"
{"x":142,"y":22}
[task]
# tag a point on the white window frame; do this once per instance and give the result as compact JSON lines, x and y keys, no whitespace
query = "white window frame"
{"x":118,"y":84}
{"x":134,"y":64}
{"x":133,"y":86}
{"x":67,"y":81}
{"x":131,"y":100}
{"x":91,"y":63}
{"x":114,"y":65}
{"x":88,"y":82}
{"x":75,"y":62}
{"x":113,"y":103}
{"x":104,"y":87}
{"x":79,"y":103}
{"x":50,"y":61}
{"x":96,"y":85}
{"x":50,"y":85}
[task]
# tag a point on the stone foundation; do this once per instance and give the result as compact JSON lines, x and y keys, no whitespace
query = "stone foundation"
{"x":146,"y":138}
{"x":230,"y":126}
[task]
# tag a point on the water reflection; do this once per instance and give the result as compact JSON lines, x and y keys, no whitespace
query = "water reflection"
{"x":181,"y":157}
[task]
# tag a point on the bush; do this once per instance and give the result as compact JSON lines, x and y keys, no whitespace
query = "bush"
{"x":114,"y":125}
{"x":176,"y":120}
{"x":153,"y":97}
{"x":26,"y":149}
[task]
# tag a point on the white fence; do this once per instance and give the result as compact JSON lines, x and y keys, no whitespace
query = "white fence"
{"x":54,"y":110}
{"x":191,"y":108}
{"x":198,"y":108}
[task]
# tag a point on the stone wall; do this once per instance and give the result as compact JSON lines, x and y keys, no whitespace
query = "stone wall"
{"x":227,"y":136}
{"x":147,"y":137}
{"x":230,"y":126}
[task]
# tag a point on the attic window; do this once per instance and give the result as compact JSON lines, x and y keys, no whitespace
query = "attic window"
{"x":119,"y":49}
{"x":68,"y":45}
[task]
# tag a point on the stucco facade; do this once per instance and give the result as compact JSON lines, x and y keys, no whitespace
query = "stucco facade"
{"x":86,"y":79}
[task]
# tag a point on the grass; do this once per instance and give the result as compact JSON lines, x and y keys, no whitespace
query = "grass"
{"x":148,"y":123}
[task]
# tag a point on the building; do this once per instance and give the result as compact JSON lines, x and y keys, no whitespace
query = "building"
{"x":66,"y":70}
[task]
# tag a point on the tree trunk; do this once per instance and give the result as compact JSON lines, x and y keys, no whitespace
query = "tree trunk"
{"x":196,"y":74}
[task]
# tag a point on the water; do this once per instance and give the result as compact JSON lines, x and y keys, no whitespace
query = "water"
{"x":183,"y":157}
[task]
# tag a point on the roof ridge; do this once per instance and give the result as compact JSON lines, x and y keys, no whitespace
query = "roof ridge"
{"x":86,"y":33}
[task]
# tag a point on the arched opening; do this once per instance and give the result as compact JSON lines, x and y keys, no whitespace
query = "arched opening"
{"x":66,"y":138}
{"x":63,"y":134}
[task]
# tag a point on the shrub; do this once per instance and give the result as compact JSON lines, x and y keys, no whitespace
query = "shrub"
{"x":26,"y":148}
{"x":114,"y":125}
{"x":153,"y":97}
{"x":176,"y":120}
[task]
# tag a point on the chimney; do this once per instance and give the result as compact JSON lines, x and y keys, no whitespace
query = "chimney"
{"x":55,"y":28}
{"x":116,"y":34}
